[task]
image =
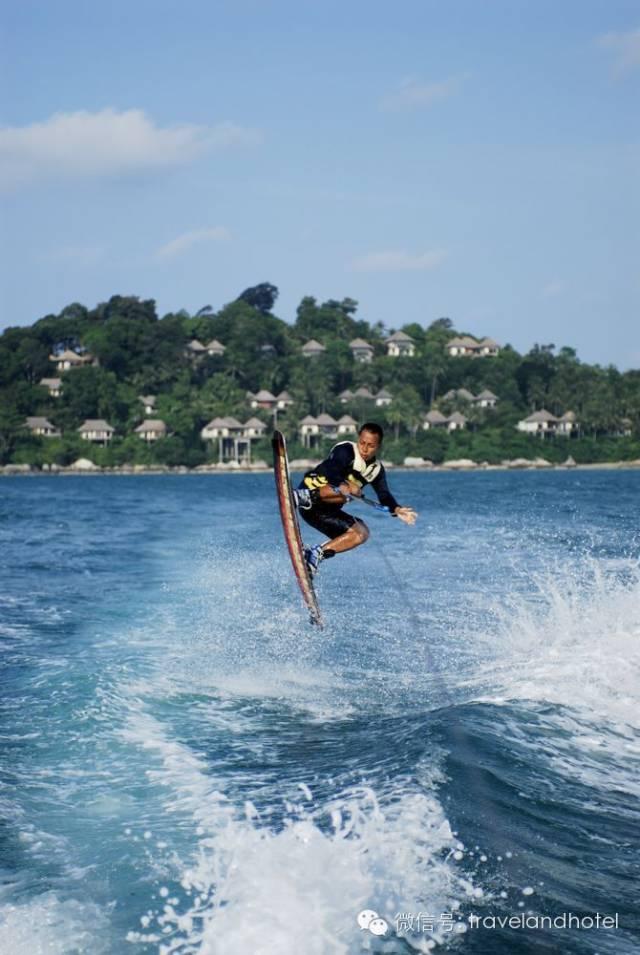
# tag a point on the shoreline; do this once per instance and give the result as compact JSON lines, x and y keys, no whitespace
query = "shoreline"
{"x":18,"y":470}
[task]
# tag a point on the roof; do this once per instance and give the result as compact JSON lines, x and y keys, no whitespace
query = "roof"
{"x":264,"y":395}
{"x":464,"y":393}
{"x":284,"y":396}
{"x":399,"y":337}
{"x":325,"y":418}
{"x":542,"y":415}
{"x":455,"y":342}
{"x":38,"y":422}
{"x":68,"y":355}
{"x":152,"y":424}
{"x":309,"y":419}
{"x":383,"y":393}
{"x":147,"y":399}
{"x":50,"y":382}
{"x":215,"y":344}
{"x":255,"y":423}
{"x":195,"y":345}
{"x":486,"y":394}
{"x":435,"y":417}
{"x":457,"y":418}
{"x":571,"y":416}
{"x":362,"y":393}
{"x":347,"y":393}
{"x":313,"y":345}
{"x":230,"y":422}
{"x":360,"y":343}
{"x":216,"y":423}
{"x":95,"y":424}
{"x":489,"y":342}
{"x":347,"y":419}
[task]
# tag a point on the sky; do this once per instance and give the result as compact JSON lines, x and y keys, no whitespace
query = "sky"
{"x":428,"y":158}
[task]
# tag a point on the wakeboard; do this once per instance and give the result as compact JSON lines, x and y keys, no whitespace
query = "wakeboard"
{"x":291,"y":527}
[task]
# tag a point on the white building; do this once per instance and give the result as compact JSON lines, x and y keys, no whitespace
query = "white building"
{"x":313,"y":349}
{"x":41,"y":427}
{"x":53,"y":386}
{"x":68,"y":359}
{"x":540,"y":422}
{"x":215,"y":348}
{"x":361,"y":350}
{"x":151,"y":430}
{"x":97,"y":430}
{"x":347,"y":425}
{"x":399,"y":345}
{"x":383,"y":399}
{"x":434,"y":419}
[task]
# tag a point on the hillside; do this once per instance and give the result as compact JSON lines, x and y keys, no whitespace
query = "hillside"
{"x":424,"y":384}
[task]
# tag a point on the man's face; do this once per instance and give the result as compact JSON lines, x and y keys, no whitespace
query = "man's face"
{"x":368,"y":444}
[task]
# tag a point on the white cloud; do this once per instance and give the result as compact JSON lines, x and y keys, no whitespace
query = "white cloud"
{"x":399,"y":261}
{"x":106,"y":143}
{"x":188,"y":239}
{"x":626,"y":49}
{"x":414,"y":95}
{"x":553,"y":289}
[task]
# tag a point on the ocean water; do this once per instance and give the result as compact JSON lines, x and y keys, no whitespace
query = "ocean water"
{"x":186,"y":766}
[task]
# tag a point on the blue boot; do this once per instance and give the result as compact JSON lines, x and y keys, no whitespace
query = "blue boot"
{"x":313,"y":557}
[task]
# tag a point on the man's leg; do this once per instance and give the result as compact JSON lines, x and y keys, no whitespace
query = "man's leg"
{"x":357,"y":534}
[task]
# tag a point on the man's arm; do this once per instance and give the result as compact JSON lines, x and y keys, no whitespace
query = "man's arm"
{"x":406,"y":514}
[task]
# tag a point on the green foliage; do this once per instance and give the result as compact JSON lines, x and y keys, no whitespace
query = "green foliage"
{"x":135,"y":352}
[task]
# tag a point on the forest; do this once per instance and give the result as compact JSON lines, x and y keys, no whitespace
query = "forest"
{"x":136,"y":352}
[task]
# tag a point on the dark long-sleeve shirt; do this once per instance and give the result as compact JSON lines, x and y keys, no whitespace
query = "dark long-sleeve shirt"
{"x":345,"y":463}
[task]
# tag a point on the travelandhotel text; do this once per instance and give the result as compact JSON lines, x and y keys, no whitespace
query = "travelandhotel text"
{"x":446,"y":922}
{"x":529,"y":920}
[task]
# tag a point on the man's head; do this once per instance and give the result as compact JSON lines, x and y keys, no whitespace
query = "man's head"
{"x":369,"y":439}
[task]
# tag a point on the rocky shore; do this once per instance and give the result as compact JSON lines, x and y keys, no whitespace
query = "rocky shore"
{"x":85,"y":467}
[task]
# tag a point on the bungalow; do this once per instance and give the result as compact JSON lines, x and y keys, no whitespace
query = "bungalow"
{"x":268,"y":350}
{"x":263,"y":399}
{"x":254,"y":428}
{"x":195,"y":349}
{"x":149,"y":402}
{"x":487,"y":346}
{"x":464,"y":394}
{"x":215,"y":349}
{"x":233,"y":443}
{"x":345,"y":396}
{"x":456,"y":422}
{"x":42,"y":427}
{"x":363,"y":394}
{"x":70,"y":359}
{"x":96,"y":430}
{"x":486,"y":399}
{"x":540,"y":422}
{"x":327,"y":425}
{"x":152,"y":429}
{"x":284,"y":401}
{"x":347,"y":425}
{"x":361,"y":350}
{"x":567,"y":424}
{"x":461,"y":345}
{"x":434,"y":419}
{"x":383,"y":398}
{"x":400,"y":344}
{"x":465,"y":345}
{"x":309,"y":431}
{"x":53,"y":385}
{"x":312,"y":349}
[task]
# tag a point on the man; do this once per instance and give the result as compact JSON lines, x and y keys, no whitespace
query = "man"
{"x":323,"y":492}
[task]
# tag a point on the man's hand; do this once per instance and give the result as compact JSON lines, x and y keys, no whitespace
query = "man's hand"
{"x":406,"y":514}
{"x":350,"y":489}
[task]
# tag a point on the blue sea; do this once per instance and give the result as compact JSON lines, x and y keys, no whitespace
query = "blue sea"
{"x":186,"y":766}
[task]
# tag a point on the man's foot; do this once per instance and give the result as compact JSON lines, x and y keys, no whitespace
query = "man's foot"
{"x":302,"y":498}
{"x":313,"y":557}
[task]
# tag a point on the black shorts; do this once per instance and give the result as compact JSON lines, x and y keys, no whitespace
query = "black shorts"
{"x":329,"y":519}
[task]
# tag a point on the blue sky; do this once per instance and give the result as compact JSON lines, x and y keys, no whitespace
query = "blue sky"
{"x":427,"y":158}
